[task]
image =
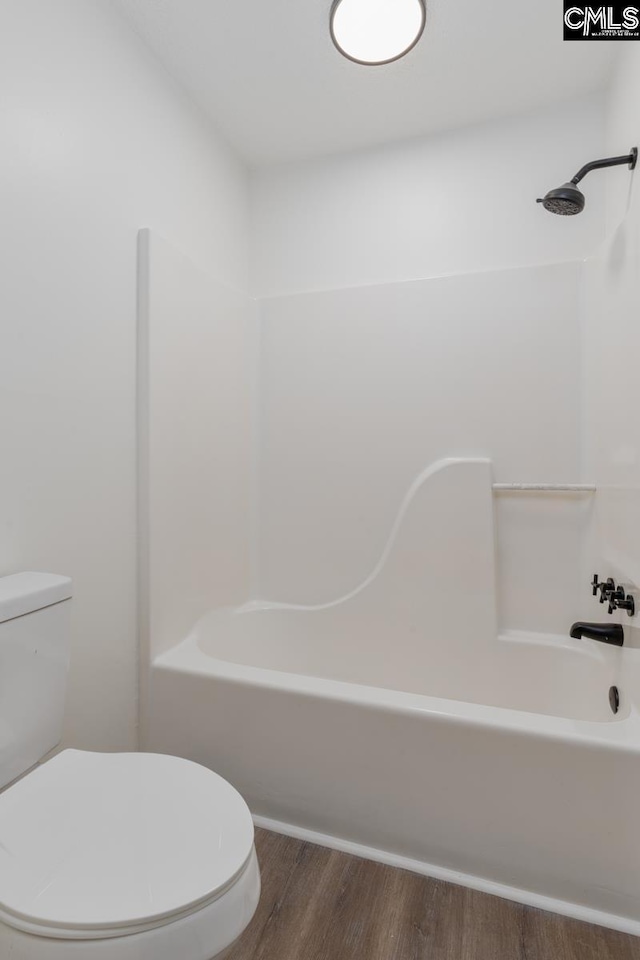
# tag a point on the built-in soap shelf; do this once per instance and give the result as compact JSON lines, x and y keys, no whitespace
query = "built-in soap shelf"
{"x":544,"y":487}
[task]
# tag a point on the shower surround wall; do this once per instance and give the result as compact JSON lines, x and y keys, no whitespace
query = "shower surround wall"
{"x":364,"y":388}
{"x":360,"y":390}
{"x":196,"y":444}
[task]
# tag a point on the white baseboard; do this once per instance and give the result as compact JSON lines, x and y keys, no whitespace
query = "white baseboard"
{"x":574,"y":910}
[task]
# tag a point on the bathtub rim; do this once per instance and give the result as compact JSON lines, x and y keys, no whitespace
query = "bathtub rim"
{"x":620,"y":735}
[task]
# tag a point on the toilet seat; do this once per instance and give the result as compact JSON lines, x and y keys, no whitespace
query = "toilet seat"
{"x":97,"y":846}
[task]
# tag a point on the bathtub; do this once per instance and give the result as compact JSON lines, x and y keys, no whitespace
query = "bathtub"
{"x":385,"y":725}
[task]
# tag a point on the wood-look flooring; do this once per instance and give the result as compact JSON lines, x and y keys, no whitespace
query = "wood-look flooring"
{"x":318,"y":904}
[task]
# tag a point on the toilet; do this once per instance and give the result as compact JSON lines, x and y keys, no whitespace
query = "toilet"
{"x":124,"y":856}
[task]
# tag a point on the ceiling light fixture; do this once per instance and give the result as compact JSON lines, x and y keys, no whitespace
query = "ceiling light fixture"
{"x":374,"y":32}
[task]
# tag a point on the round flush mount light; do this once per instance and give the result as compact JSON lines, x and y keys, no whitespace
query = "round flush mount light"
{"x":374,"y":32}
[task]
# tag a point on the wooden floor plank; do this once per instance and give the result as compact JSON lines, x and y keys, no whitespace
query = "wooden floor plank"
{"x":318,"y":904}
{"x":547,"y":935}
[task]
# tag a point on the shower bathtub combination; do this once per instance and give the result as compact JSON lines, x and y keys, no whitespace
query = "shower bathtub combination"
{"x":394,"y":724}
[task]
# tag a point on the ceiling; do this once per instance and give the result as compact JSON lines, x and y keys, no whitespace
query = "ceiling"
{"x":268,"y":75}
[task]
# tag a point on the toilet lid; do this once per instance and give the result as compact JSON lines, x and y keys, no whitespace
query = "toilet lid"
{"x":98,"y":845}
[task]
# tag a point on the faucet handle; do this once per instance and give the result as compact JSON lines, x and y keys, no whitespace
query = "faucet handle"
{"x":607,"y":589}
{"x":619,"y":600}
{"x":595,"y":584}
{"x":614,"y":597}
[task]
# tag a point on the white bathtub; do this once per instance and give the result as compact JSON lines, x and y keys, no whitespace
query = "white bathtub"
{"x":390,"y":725}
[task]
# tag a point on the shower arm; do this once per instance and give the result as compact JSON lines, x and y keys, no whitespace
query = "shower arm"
{"x":630,"y":159}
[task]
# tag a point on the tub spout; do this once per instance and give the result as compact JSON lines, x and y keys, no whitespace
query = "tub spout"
{"x":605,"y":632}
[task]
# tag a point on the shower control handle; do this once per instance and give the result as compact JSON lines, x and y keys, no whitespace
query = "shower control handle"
{"x":607,"y":589}
{"x":614,"y":597}
{"x":619,"y":600}
{"x":595,"y":584}
{"x":627,"y":604}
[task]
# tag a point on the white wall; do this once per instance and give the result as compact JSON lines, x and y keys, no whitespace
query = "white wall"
{"x":95,"y":142}
{"x":612,"y":347}
{"x":446,"y":204}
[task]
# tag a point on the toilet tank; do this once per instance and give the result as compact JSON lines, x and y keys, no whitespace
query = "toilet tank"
{"x":34,"y":660}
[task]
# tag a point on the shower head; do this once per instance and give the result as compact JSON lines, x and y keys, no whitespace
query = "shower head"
{"x":567,"y":200}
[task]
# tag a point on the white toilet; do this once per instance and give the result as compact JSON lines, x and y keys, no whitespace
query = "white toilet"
{"x":105,"y":856}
